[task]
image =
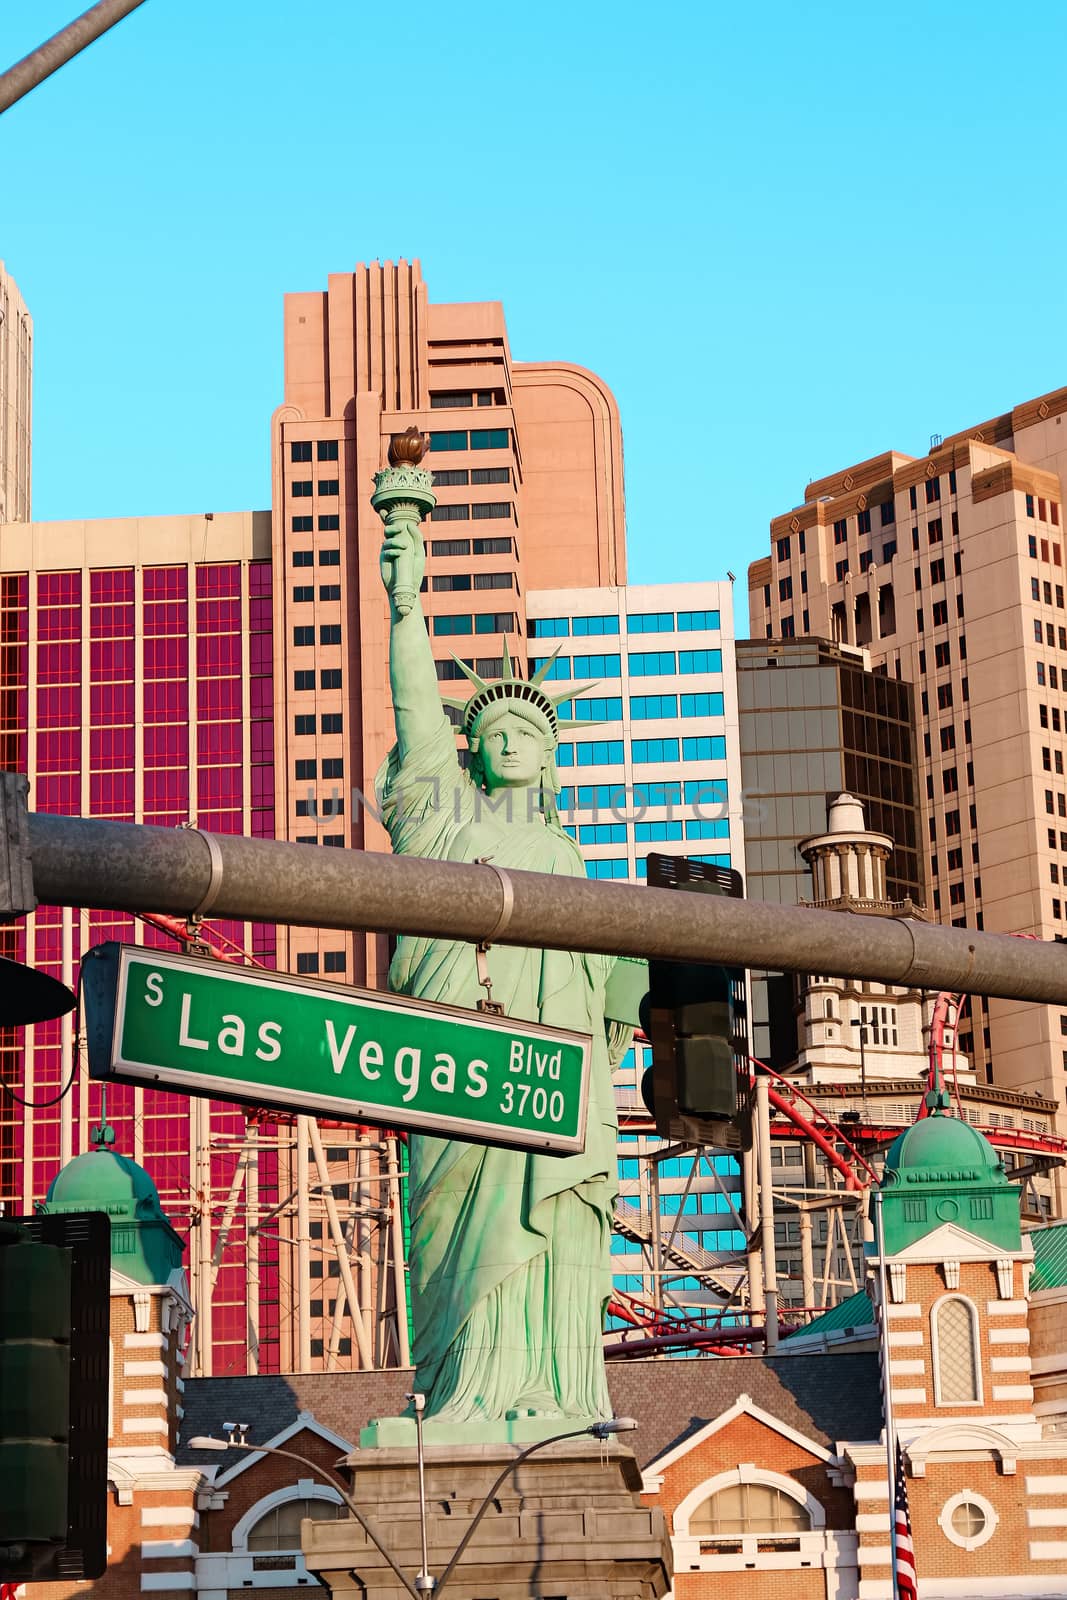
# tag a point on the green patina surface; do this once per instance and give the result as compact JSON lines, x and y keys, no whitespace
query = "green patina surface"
{"x":1050,"y":1257}
{"x":942,"y":1170}
{"x":510,"y":1250}
{"x":144,"y":1246}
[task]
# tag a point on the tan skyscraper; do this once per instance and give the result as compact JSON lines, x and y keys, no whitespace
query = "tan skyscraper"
{"x":527,"y":461}
{"x":16,"y":389}
{"x":950,"y":569}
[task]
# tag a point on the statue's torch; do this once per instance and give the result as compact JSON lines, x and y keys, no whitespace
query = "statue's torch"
{"x":403,"y":493}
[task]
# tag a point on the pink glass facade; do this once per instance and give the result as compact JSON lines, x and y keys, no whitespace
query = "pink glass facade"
{"x":142,"y":693}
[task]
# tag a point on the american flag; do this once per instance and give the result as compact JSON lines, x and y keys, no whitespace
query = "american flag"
{"x":902,"y":1541}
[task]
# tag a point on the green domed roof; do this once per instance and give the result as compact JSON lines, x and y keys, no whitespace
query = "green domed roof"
{"x":144,"y":1246}
{"x":941,"y":1170}
{"x":101,"y":1178}
{"x":940,"y":1141}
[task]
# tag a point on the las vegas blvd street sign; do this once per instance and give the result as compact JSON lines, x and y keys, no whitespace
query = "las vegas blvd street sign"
{"x":239,"y":1033}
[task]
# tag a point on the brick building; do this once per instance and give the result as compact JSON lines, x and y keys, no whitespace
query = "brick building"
{"x":771,"y":1471}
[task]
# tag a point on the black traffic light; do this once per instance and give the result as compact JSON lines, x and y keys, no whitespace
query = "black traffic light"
{"x":694,"y":1016}
{"x":54,"y":1307}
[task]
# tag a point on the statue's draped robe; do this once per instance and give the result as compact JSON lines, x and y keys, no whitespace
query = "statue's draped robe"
{"x":510,"y":1252}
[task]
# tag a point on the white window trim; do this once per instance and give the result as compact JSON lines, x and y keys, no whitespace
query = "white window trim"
{"x":935,"y":1349}
{"x":746,"y":1473}
{"x":976,"y":1541}
{"x":306,"y":1489}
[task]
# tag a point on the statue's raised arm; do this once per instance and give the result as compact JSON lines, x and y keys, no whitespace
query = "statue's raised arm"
{"x":403,"y":494}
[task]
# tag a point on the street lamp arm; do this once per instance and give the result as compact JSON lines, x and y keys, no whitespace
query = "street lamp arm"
{"x":368,"y":1529}
{"x":540,"y":1444}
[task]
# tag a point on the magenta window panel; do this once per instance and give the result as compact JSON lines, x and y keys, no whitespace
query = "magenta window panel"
{"x":111,"y":794}
{"x":261,"y":740}
{"x":166,"y":790}
{"x":219,"y":743}
{"x":111,"y":622}
{"x":59,"y":622}
{"x":260,"y":615}
{"x":111,"y":749}
{"x":165,"y":744}
{"x":169,"y":617}
{"x":58,"y":708}
{"x":110,"y":703}
{"x":58,"y":663}
{"x":223,"y":579}
{"x":111,"y":585}
{"x":262,"y":787}
{"x":59,"y":751}
{"x":218,"y":616}
{"x":215,"y":821}
{"x":165,"y":583}
{"x":219,"y":787}
{"x":166,"y":701}
{"x":218,"y":655}
{"x":59,"y":795}
{"x":260,"y":654}
{"x":59,"y":589}
{"x":166,"y":657}
{"x":111,"y":660}
{"x":218,"y":699}
{"x":259,"y":580}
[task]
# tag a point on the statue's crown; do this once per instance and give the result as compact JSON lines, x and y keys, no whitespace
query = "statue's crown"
{"x":517,"y":690}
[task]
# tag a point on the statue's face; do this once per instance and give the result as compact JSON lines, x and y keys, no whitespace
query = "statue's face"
{"x":512,"y":752}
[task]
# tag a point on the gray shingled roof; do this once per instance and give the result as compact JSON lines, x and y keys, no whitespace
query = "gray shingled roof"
{"x":826,"y":1397}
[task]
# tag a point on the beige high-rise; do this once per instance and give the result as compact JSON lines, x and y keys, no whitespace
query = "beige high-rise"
{"x":16,"y":391}
{"x":950,"y":569}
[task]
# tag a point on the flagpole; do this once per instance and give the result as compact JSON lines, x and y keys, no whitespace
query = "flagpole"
{"x":887,"y":1393}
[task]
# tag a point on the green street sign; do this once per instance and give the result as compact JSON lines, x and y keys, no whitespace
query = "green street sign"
{"x":239,"y":1033}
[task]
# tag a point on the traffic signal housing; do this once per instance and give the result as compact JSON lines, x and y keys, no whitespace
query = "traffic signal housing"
{"x":54,"y":1358}
{"x":694,"y":1016}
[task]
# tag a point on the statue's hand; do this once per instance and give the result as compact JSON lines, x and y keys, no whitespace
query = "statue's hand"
{"x":403,"y":557}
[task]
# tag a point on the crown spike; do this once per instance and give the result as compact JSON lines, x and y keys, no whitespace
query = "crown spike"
{"x":574,"y":690}
{"x":479,"y":683}
{"x":507,"y":672}
{"x":545,"y":668}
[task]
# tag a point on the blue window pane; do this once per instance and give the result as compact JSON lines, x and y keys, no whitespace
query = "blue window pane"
{"x":560,"y":668}
{"x":488,"y":439}
{"x":715,"y":861}
{"x":651,"y":622}
{"x":600,"y":753}
{"x":566,"y":799}
{"x":702,"y":705}
{"x":594,"y":625}
{"x":602,"y":833}
{"x":645,"y":750}
{"x":656,"y":832}
{"x":700,"y":661}
{"x":657,"y":794}
{"x":710,"y":793}
{"x":654,"y":663}
{"x":708,"y":747}
{"x":564,"y":755}
{"x":597,"y":666}
{"x":697,"y":621}
{"x":614,"y":867}
{"x":569,"y":829}
{"x":452,"y":440}
{"x":719,"y":828}
{"x":644,"y":707}
{"x":603,"y":709}
{"x":451,"y":625}
{"x":549,"y":627}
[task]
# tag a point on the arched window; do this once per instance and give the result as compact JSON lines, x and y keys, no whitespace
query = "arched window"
{"x":956,"y":1374}
{"x":279,"y":1528}
{"x":750,"y":1508}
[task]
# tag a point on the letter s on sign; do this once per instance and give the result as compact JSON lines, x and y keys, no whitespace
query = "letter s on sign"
{"x":154,"y":989}
{"x":270,"y":1044}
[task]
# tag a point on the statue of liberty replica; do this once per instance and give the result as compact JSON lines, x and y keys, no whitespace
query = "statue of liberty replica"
{"x":510,"y":1251}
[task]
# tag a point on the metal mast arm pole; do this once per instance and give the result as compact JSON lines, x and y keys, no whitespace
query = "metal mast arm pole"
{"x":60,"y":48}
{"x":887,"y":1376}
{"x":127,"y":867}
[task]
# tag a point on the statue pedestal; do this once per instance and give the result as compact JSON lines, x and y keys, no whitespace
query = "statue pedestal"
{"x":566,"y":1523}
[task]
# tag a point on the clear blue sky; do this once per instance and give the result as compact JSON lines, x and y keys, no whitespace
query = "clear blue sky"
{"x":788,"y":236}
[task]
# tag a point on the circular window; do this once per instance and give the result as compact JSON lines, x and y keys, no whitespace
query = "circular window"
{"x":968,"y":1520}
